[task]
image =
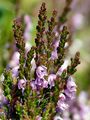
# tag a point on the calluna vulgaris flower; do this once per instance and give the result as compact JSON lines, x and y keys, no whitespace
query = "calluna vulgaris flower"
{"x":40,"y":93}
{"x":22,"y":84}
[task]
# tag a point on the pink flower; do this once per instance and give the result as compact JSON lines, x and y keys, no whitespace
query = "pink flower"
{"x":62,"y":105}
{"x":51,"y":79}
{"x":22,"y":84}
{"x":41,"y":71}
{"x":39,"y":83}
{"x":15,"y":71}
{"x":56,"y":44}
{"x":69,"y":94}
{"x":54,"y":54}
{"x":33,"y":85}
{"x":45,"y":84}
{"x":70,"y":90}
{"x":71,"y":86}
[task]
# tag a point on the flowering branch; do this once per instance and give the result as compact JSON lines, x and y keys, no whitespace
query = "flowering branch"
{"x":43,"y":92}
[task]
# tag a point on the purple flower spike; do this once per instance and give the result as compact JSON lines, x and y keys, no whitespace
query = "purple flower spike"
{"x":22,"y":84}
{"x":41,"y":71}
{"x":51,"y":79}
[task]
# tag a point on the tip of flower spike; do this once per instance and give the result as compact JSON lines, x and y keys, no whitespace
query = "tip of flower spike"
{"x":78,"y":53}
{"x":43,"y":8}
{"x":77,"y":56}
{"x":54,"y":12}
{"x":43,"y":4}
{"x":17,"y":21}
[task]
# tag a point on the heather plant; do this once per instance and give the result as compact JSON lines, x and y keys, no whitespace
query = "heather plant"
{"x":41,"y":89}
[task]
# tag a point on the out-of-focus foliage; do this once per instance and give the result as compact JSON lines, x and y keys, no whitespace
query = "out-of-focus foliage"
{"x":6,"y":17}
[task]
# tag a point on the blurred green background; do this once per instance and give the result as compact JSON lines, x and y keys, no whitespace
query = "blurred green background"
{"x":78,"y":21}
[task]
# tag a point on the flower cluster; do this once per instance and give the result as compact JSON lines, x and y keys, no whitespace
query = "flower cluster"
{"x":40,"y":81}
{"x":39,"y":91}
